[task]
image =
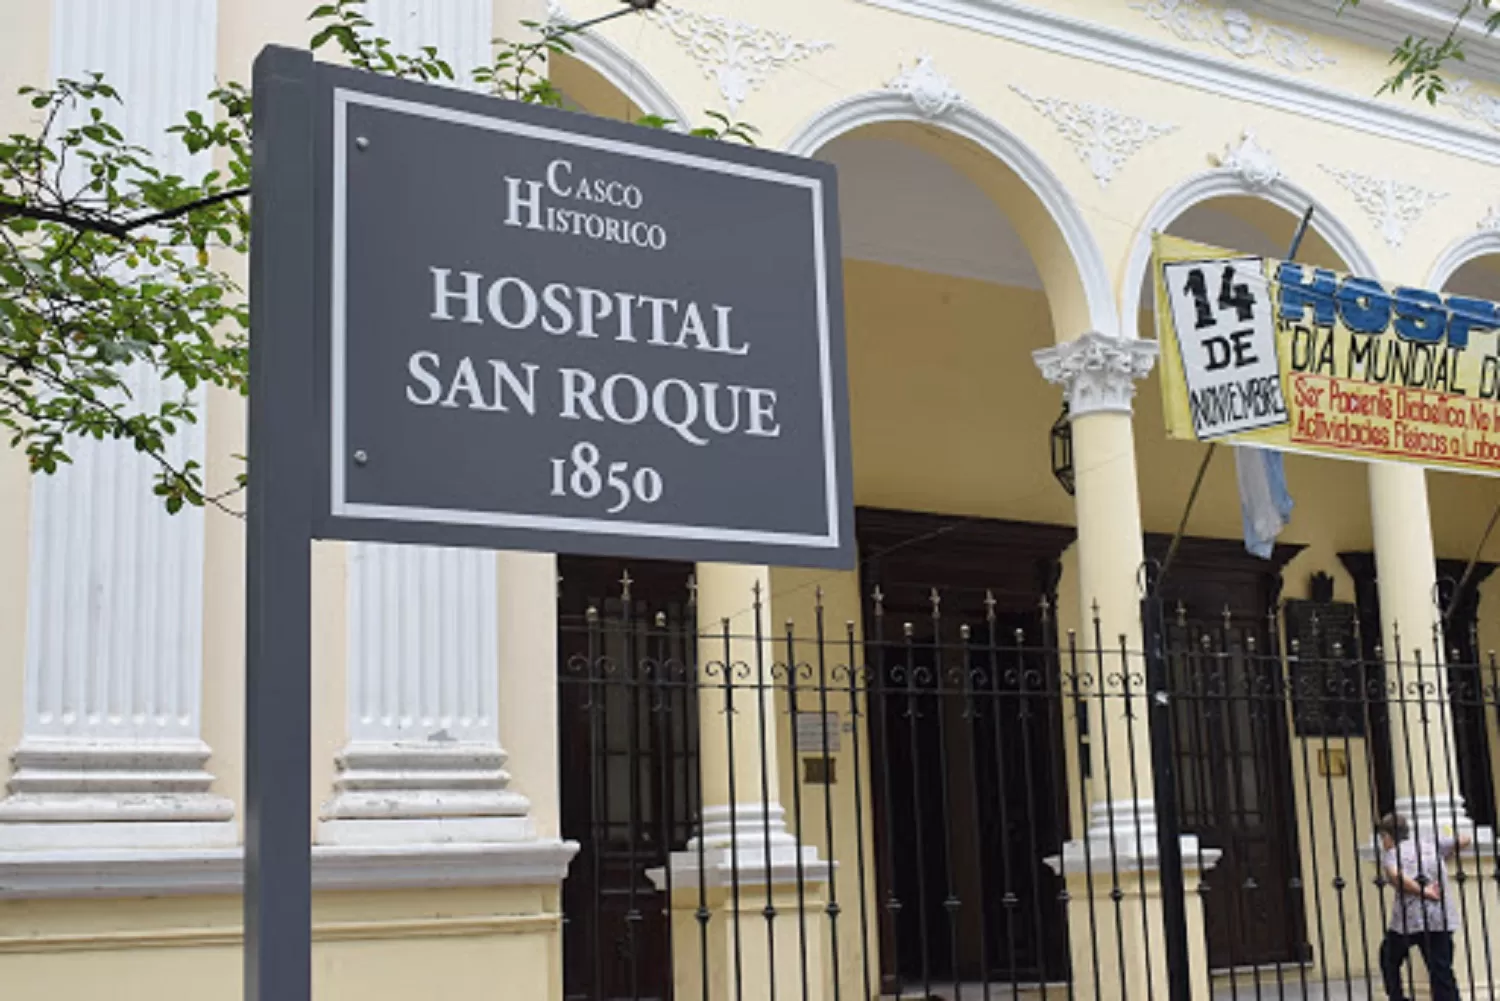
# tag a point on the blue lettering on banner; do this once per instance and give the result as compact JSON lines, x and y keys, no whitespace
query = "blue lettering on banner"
{"x":1416,"y":315}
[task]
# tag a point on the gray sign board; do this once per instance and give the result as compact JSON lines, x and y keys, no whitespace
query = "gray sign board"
{"x":485,"y":324}
{"x":544,"y":330}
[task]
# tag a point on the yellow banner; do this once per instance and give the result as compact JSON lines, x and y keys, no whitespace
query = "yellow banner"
{"x":1260,"y":351}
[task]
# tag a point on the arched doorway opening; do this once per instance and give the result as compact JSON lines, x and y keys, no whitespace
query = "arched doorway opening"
{"x":962,"y":255}
{"x":1245,"y":774}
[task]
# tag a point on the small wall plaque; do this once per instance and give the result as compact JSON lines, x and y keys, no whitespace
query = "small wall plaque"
{"x":810,"y":730}
{"x":1333,"y":762}
{"x":819,"y":771}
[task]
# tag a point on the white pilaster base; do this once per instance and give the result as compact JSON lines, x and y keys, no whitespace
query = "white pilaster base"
{"x":1122,"y":837}
{"x":748,"y":842}
{"x":113,"y":794}
{"x":423,"y":794}
{"x":1452,"y":817}
{"x":1448,"y":812}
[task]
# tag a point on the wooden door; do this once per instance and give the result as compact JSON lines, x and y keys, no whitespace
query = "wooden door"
{"x":1232,"y":748}
{"x":628,"y":749}
{"x":969,"y":793}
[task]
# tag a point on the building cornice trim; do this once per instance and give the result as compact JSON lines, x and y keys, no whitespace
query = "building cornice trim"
{"x":1112,"y":46}
{"x":331,"y":931}
{"x":219,"y":871}
{"x":1384,"y":24}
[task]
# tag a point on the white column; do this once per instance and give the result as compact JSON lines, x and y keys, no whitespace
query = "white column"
{"x":1098,"y":375}
{"x":528,"y":682}
{"x":424,"y":761}
{"x":744,"y":833}
{"x":1406,"y":580}
{"x":111,"y":752}
{"x":1112,"y":871}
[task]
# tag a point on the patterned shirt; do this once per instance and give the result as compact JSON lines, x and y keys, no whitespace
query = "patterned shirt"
{"x":1412,"y":914}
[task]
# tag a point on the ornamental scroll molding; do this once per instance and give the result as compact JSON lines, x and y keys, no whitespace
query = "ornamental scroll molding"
{"x":1097,"y":372}
{"x":1103,"y":137}
{"x":932,"y":93}
{"x":1250,"y":161}
{"x":1394,"y":206}
{"x":1471,"y":102}
{"x":735,"y":54}
{"x":1236,"y":32}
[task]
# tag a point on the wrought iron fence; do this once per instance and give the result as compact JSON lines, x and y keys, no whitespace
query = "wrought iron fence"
{"x":959,"y":798}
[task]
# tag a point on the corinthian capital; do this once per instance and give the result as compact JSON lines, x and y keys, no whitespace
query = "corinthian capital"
{"x":1097,"y":372}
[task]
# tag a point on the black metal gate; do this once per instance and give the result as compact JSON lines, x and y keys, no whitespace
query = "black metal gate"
{"x":956,"y":787}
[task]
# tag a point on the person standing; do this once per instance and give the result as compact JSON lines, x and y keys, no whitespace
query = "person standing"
{"x":1425,"y":913}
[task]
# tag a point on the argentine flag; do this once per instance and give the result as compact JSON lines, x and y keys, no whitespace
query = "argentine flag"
{"x":1265,"y":505}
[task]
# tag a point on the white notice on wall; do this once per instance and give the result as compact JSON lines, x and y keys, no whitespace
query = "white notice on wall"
{"x":811,"y":728}
{"x":1221,"y":310}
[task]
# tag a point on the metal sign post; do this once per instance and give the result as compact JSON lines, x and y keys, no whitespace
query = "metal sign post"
{"x":482,"y":323}
{"x":278,"y":631}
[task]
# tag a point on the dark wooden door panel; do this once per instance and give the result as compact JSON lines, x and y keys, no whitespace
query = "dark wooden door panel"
{"x":1232,"y":748}
{"x":628,"y":746}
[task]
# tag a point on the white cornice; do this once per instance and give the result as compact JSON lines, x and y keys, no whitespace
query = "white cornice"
{"x":1112,"y":46}
{"x":1384,"y":24}
{"x":169,"y":872}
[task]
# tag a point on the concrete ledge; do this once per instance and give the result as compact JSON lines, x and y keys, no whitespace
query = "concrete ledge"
{"x":1102,"y":855}
{"x":127,"y":872}
{"x":332,"y":931}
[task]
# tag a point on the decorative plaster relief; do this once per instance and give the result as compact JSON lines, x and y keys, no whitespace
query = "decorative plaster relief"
{"x":738,"y":56}
{"x":1103,"y":137}
{"x":1392,"y":205}
{"x":1250,"y":161}
{"x":1097,"y":372}
{"x":1236,"y":32}
{"x":1471,"y":102}
{"x":932,"y":93}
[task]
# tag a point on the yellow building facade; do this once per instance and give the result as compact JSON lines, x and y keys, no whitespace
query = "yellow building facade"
{"x":500,"y":814}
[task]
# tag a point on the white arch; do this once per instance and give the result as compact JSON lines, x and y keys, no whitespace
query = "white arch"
{"x":1223,"y":183}
{"x":1460,"y":252}
{"x":626,"y":75}
{"x":880,"y":107}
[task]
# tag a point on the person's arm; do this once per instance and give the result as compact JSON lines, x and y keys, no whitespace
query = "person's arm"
{"x":1453,"y":845}
{"x":1405,"y":884}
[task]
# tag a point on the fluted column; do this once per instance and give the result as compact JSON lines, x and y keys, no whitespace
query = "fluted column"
{"x":424,"y":761}
{"x":111,"y":752}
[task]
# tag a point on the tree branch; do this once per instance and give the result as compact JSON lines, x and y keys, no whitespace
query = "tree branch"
{"x":119,"y":230}
{"x":17,"y":210}
{"x":173,"y":213}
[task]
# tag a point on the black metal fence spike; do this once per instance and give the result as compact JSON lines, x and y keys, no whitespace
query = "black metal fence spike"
{"x":935,"y":777}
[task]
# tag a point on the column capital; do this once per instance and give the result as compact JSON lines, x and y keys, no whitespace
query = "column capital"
{"x":1097,"y":372}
